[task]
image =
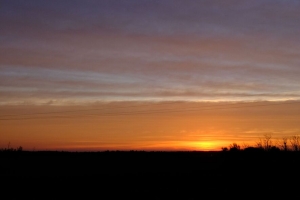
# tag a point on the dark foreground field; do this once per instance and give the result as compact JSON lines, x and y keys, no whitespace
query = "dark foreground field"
{"x":151,"y":175}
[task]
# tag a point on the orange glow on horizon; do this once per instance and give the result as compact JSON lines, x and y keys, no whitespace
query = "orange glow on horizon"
{"x":204,"y":130}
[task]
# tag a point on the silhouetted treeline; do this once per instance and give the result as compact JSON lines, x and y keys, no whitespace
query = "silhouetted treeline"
{"x":268,"y":144}
{"x":151,"y":175}
{"x":258,"y":171}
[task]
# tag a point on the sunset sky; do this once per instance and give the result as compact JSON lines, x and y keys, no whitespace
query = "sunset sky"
{"x":148,"y":74}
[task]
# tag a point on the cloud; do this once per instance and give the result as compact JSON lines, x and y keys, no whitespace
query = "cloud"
{"x":123,"y":50}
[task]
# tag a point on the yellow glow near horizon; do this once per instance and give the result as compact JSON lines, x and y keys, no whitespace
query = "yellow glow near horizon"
{"x":205,"y":145}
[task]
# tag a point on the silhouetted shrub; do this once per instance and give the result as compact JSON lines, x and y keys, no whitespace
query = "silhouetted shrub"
{"x":274,"y":149}
{"x":10,"y":149}
{"x":224,"y":149}
{"x":253,"y":149}
{"x":20,"y":148}
{"x":234,"y":147}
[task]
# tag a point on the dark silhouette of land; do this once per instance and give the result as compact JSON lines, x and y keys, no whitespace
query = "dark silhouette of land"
{"x":154,"y":175}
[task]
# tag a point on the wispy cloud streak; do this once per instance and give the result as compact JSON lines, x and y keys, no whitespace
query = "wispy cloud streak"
{"x":145,"y":50}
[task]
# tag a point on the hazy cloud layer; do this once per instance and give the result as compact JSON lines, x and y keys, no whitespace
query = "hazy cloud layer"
{"x":89,"y":51}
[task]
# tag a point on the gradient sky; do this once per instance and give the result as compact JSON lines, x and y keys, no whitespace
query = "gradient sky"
{"x":142,"y":55}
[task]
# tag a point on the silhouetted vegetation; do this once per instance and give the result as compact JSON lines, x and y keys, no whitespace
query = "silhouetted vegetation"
{"x":253,"y":170}
{"x":295,"y":145}
{"x":11,"y":149}
{"x":234,"y":147}
{"x":267,"y":144}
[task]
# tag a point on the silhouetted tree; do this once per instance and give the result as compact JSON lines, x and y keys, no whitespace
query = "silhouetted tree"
{"x":234,"y":147}
{"x":265,"y":143}
{"x":283,"y":144}
{"x":9,"y":148}
{"x":245,"y":145}
{"x":259,"y":144}
{"x":295,"y":143}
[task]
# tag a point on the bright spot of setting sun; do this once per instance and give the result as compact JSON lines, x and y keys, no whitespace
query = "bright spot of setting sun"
{"x":204,"y":145}
{"x":207,"y":145}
